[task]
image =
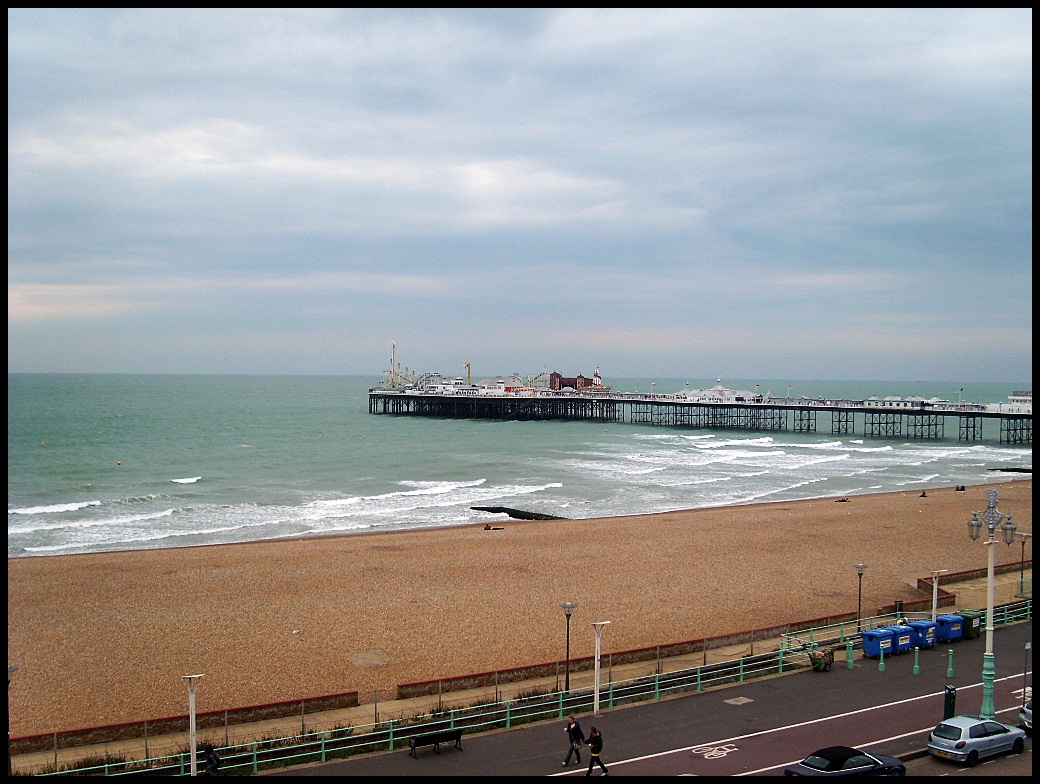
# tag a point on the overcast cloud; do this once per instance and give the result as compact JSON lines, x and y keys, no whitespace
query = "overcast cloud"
{"x":744,"y":194}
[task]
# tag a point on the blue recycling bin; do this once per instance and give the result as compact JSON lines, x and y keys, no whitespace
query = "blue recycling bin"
{"x":949,"y":627}
{"x":877,"y":640}
{"x":922,"y":634}
{"x":901,"y":638}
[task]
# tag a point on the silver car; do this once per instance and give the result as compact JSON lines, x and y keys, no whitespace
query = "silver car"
{"x":968,"y":739}
{"x":1025,"y":717}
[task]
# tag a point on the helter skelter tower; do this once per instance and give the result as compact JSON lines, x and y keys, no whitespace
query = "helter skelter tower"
{"x":395,"y":376}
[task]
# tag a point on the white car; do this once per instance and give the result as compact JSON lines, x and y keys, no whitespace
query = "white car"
{"x":968,"y":739}
{"x":1025,"y":717}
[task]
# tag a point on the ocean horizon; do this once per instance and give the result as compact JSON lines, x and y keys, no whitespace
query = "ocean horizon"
{"x":103,"y":462}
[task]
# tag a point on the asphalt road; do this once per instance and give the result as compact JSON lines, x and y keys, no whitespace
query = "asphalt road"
{"x":755,"y":728}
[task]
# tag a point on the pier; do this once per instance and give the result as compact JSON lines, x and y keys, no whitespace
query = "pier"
{"x":774,"y":414}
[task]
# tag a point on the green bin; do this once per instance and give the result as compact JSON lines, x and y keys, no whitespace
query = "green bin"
{"x":973,"y":620}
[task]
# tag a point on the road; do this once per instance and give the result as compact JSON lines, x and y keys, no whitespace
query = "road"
{"x":767,"y":752}
{"x":752,"y":729}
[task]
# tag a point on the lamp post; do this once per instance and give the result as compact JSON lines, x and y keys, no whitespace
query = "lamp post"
{"x":935,"y":591}
{"x":11,"y":670}
{"x":598,"y":626}
{"x":859,"y":602}
{"x":1022,"y":565}
{"x":192,"y":684}
{"x":991,"y":518}
{"x":568,"y":608}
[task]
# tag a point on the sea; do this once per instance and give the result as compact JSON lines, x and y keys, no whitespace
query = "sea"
{"x":130,"y":462}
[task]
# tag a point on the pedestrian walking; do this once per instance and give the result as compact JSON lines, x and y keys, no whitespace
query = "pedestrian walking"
{"x":595,"y":748}
{"x":575,"y":737}
{"x":212,"y":761}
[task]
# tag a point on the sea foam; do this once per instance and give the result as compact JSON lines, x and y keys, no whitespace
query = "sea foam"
{"x":53,"y":508}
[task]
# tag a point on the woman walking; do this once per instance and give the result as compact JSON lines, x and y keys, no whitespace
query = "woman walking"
{"x":595,"y":748}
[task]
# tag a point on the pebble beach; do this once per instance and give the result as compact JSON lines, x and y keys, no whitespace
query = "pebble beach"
{"x":104,"y":638}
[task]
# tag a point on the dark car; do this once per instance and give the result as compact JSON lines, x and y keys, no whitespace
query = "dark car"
{"x":846,"y":761}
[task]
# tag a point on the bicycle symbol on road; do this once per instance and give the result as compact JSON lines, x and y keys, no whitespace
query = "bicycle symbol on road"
{"x":714,"y":752}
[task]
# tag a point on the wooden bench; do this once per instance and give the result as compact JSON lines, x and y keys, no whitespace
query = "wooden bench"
{"x":435,"y":739}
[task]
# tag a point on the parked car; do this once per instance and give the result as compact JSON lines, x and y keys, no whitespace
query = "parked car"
{"x":846,"y":761}
{"x":968,"y":739}
{"x":1025,"y":717}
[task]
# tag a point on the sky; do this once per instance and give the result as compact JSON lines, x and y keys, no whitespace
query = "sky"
{"x":815,"y":194}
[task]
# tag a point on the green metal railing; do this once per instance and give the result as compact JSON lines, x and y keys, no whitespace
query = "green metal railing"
{"x":337,"y":743}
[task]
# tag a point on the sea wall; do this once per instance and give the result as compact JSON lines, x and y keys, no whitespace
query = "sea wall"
{"x":170,"y":724}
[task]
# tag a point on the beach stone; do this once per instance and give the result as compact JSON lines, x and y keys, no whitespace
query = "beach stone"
{"x":371,"y":659}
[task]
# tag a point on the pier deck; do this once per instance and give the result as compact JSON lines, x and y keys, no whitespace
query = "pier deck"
{"x":837,"y":418}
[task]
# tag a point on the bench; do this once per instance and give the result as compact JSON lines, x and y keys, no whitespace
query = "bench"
{"x":435,"y":739}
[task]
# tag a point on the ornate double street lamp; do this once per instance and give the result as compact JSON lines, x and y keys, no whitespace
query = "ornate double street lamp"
{"x":859,"y":601}
{"x":568,"y":608}
{"x":991,"y":518}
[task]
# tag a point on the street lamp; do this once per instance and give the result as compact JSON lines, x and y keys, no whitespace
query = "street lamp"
{"x":935,"y":590}
{"x":1022,"y":566}
{"x":598,"y":626}
{"x":11,"y":670}
{"x":568,"y":608}
{"x":192,"y":684}
{"x":991,"y":518}
{"x":859,"y":602}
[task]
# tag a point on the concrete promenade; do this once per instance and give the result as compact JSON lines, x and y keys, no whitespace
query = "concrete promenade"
{"x":970,"y":594}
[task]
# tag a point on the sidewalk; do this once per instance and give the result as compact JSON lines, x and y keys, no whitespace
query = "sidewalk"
{"x":970,"y":594}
